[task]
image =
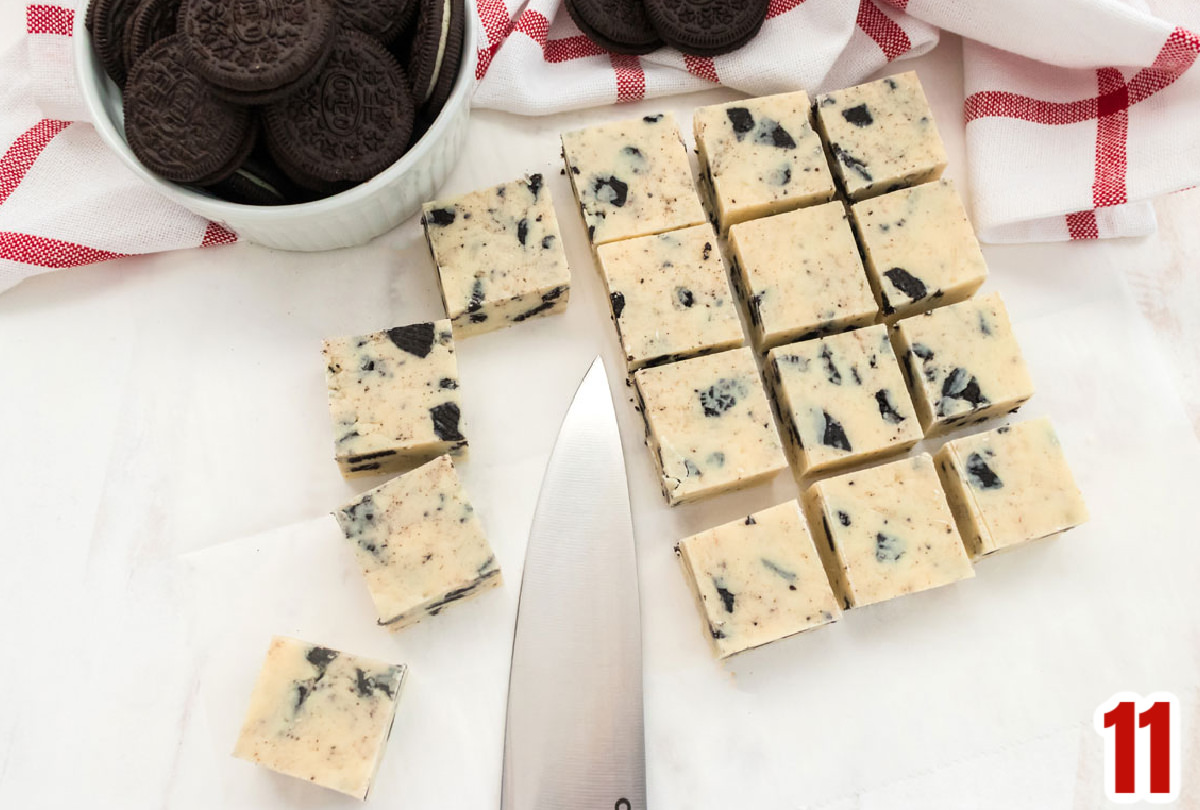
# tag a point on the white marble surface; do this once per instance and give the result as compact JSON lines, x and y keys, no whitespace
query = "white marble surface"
{"x":166,"y":474}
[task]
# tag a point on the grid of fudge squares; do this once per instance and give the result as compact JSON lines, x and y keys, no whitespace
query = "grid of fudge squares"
{"x":963,"y":363}
{"x":708,"y":424}
{"x":920,"y":248}
{"x":881,"y":136}
{"x":393,"y":397}
{"x":632,"y":178}
{"x":1010,"y":486}
{"x":800,"y":275}
{"x":842,"y":400}
{"x":499,"y":255}
{"x":757,"y":580}
{"x":669,"y":296}
{"x":760,"y":156}
{"x":886,"y":531}
{"x":419,"y":543}
{"x":321,"y":715}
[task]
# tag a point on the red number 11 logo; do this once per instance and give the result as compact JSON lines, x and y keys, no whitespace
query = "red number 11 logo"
{"x":1141,"y":747}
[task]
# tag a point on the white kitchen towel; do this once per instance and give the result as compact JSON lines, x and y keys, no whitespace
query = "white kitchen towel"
{"x":1078,"y":112}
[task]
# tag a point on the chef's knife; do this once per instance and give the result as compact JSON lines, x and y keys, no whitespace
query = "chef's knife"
{"x":574,"y":738}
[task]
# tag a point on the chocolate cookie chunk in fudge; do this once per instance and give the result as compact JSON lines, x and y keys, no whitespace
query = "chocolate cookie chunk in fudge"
{"x":256,"y":48}
{"x":632,"y":178}
{"x":619,"y":26}
{"x":760,"y":156}
{"x":881,"y":135}
{"x":499,"y":255}
{"x":708,"y":424}
{"x":1010,"y":486}
{"x":321,"y":715}
{"x":920,"y":249}
{"x":800,"y":275}
{"x":419,"y":543}
{"x":757,"y":579}
{"x":176,"y":126}
{"x":394,"y":399}
{"x":964,"y":364}
{"x":709,"y":28}
{"x":349,"y":124}
{"x":669,"y":296}
{"x":842,"y":400}
{"x":886,"y":531}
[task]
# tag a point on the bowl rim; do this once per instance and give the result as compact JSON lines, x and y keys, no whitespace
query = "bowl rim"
{"x":88,"y":70}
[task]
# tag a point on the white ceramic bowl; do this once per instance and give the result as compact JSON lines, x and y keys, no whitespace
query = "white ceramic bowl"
{"x":349,"y":218}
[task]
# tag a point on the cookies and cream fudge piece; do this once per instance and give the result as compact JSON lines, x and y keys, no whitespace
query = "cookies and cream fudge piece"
{"x":708,"y":424}
{"x":800,"y":275}
{"x":920,"y":249}
{"x":419,"y":543}
{"x":964,"y":363}
{"x":499,"y":255}
{"x":1009,"y":486}
{"x":842,"y":400}
{"x":886,"y":531}
{"x":881,"y":135}
{"x":670,"y":297}
{"x":757,"y":580}
{"x":632,"y":178}
{"x":393,"y":396}
{"x":321,"y":715}
{"x":760,"y":156}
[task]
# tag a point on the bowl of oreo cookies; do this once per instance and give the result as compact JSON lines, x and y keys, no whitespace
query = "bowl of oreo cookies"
{"x":298,"y":124}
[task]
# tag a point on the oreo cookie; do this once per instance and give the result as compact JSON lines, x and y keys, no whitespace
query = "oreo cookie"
{"x":259,"y":182}
{"x":150,"y":21}
{"x":352,"y":122}
{"x":106,"y":19}
{"x":620,"y":26}
{"x":435,"y":21}
{"x":176,"y":125}
{"x":707,"y":28}
{"x":258,"y":50}
{"x":385,"y":20}
{"x":447,"y":72}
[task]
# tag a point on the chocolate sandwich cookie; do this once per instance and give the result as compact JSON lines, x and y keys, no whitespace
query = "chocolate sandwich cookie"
{"x":259,"y":182}
{"x":176,"y":125}
{"x":435,"y":21}
{"x":108,"y":18}
{"x":383,"y":19}
{"x":351,"y":123}
{"x":620,"y":26}
{"x":252,"y":49}
{"x":707,"y":27}
{"x":447,"y":72}
{"x":150,"y":21}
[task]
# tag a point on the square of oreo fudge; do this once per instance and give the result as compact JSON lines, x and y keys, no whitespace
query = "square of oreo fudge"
{"x":393,"y":396}
{"x":757,"y":579}
{"x":881,"y":136}
{"x":419,"y":544}
{"x":499,"y":255}
{"x":800,"y":275}
{"x":321,"y":715}
{"x":1009,"y":486}
{"x":632,"y":178}
{"x":842,"y":400}
{"x":920,"y":249}
{"x":708,"y":424}
{"x":886,"y":531}
{"x":760,"y":156}
{"x":963,"y":363}
{"x":669,"y":295}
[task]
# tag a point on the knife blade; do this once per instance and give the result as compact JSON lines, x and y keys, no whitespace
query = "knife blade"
{"x":574,"y":737}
